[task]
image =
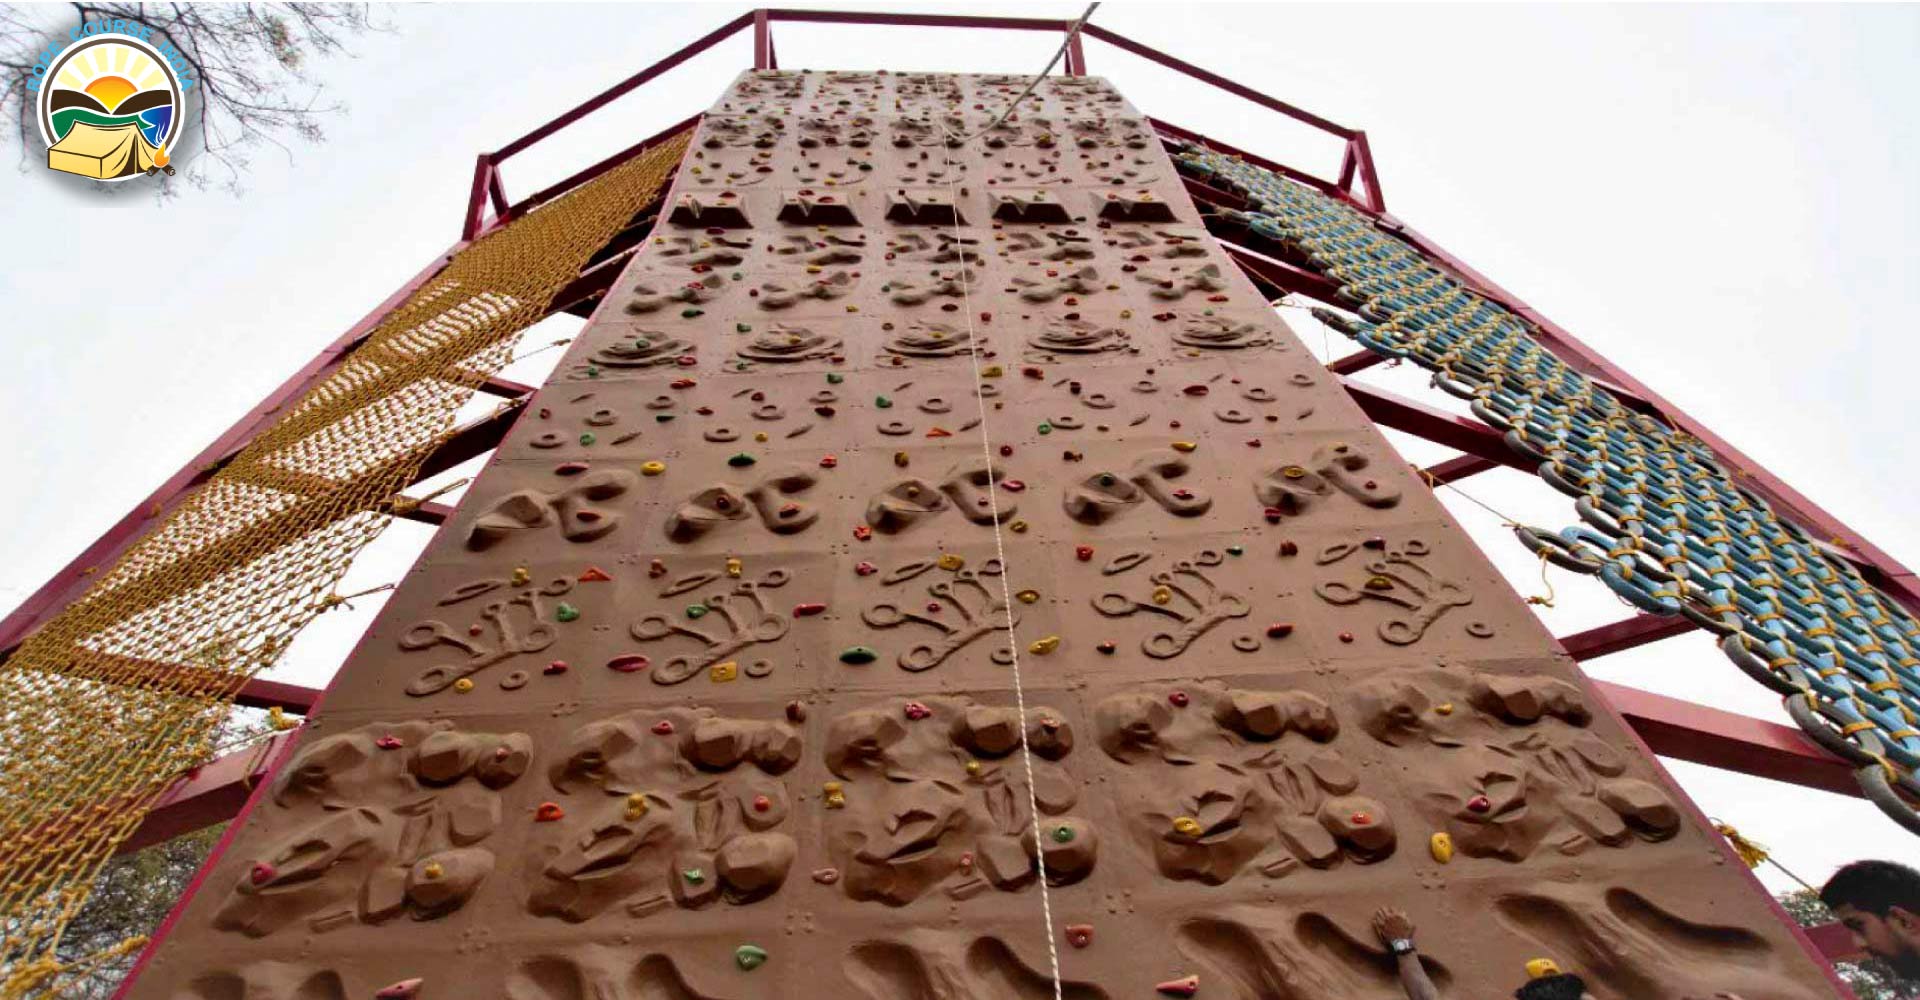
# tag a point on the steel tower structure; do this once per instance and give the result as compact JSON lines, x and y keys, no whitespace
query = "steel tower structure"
{"x":1798,"y":600}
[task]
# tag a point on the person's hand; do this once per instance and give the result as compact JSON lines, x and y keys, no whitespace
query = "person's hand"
{"x":1391,"y":924}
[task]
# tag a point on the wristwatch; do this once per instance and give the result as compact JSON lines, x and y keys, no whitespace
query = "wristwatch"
{"x":1401,"y":946}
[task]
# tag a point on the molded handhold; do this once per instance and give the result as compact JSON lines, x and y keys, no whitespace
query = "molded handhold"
{"x":1184,"y":987}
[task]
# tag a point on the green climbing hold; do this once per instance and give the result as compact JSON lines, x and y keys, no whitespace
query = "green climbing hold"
{"x":882,"y":402}
{"x":1106,"y":479}
{"x":694,"y":876}
{"x":588,"y":438}
{"x":1063,"y":834}
{"x":1236,"y":550}
{"x":741,"y":460}
{"x":749,"y":957}
{"x":858,"y":655}
{"x":643,"y":343}
{"x":737,"y":276}
{"x":691,"y":313}
{"x":566,"y":612}
{"x":696,"y":610}
{"x":1046,"y":428}
{"x":661,"y":418}
{"x":743,"y":327}
{"x":835,"y":378}
{"x":593,"y":372}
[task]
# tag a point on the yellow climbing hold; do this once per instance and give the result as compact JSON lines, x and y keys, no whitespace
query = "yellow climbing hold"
{"x":652,"y":468}
{"x":521,"y":576}
{"x":900,"y":459}
{"x":724,"y":672}
{"x":1444,"y":708}
{"x":1019,"y":527}
{"x":1043,"y":646}
{"x":1162,"y":594}
{"x":1541,"y":968}
{"x":1440,"y":845}
{"x":432,"y":871}
{"x":760,"y":436}
{"x":835,"y":796}
{"x":1028,"y":596}
{"x":1184,"y":446}
{"x":636,"y":805}
{"x":463,"y":685}
{"x":1186,"y":826}
{"x":992,"y":371}
{"x":973,"y":767}
{"x":733,"y":567}
{"x":950,"y":560}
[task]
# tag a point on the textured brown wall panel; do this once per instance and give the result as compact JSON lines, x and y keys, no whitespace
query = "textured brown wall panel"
{"x":1281,"y":668}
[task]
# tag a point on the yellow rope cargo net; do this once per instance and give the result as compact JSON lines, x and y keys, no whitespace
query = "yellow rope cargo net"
{"x":125,"y":690}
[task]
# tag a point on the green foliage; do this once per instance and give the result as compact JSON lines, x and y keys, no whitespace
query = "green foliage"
{"x":130,"y":898}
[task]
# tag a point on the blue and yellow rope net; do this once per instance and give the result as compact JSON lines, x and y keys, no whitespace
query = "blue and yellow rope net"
{"x":1662,"y":522}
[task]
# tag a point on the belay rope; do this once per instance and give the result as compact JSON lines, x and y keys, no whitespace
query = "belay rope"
{"x":1665,"y":526}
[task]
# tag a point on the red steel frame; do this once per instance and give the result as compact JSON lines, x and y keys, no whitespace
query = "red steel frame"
{"x":1666,"y":726}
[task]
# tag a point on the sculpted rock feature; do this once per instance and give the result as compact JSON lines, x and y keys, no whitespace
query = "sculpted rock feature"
{"x":788,"y":343}
{"x":653,"y":293}
{"x":784,"y":292}
{"x":1219,"y":781}
{"x":645,"y":349}
{"x":938,"y":965}
{"x":1268,"y":953}
{"x":743,"y":619}
{"x":517,"y":625}
{"x":1508,"y":767}
{"x":931,"y":798}
{"x":1400,"y":579}
{"x":665,"y":807}
{"x":1625,"y":944}
{"x":575,"y":508}
{"x":1069,"y":337}
{"x":931,"y":339}
{"x":1202,"y":605}
{"x":1104,"y":495}
{"x":385,"y":820}
{"x":978,"y":612}
{"x":771,"y":500}
{"x":1176,"y":282}
{"x":1292,"y":489}
{"x":1084,"y":281}
{"x":907,"y":502}
{"x":721,"y":211}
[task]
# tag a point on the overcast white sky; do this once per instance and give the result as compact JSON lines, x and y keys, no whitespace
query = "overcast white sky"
{"x":1721,"y":198}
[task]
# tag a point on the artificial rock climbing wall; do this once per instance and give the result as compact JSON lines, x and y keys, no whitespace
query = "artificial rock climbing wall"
{"x":708,"y":691}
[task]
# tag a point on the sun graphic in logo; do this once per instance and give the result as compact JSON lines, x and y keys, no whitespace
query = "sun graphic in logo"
{"x":110,"y":109}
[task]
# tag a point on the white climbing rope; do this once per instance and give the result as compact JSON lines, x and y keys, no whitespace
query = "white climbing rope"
{"x":993,"y":495}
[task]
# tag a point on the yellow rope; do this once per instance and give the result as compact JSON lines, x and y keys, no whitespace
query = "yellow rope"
{"x":112,"y":699}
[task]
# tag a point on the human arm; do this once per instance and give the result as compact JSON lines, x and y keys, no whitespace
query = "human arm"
{"x":1396,"y":932}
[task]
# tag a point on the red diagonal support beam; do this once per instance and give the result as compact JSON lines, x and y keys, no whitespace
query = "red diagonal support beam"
{"x":1454,"y":469}
{"x":212,"y":794}
{"x":1414,"y":417}
{"x":1624,"y":635}
{"x":1358,"y":361}
{"x":1729,"y":741}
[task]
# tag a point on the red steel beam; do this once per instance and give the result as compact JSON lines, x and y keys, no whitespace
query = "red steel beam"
{"x":1358,"y":361}
{"x":1414,"y":417}
{"x":762,"y":41}
{"x":1076,"y":56}
{"x":919,"y":20}
{"x":1265,"y":270}
{"x":1453,"y":469}
{"x":1729,"y":741}
{"x":213,"y":793}
{"x":1625,"y":634}
{"x":1207,"y":76}
{"x":626,"y":86}
{"x":72,"y":580}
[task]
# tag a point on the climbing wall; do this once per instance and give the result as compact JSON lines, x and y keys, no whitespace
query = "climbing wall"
{"x":931,"y":536}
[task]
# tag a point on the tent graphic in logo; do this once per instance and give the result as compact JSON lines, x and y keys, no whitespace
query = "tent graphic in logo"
{"x":110,"y":110}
